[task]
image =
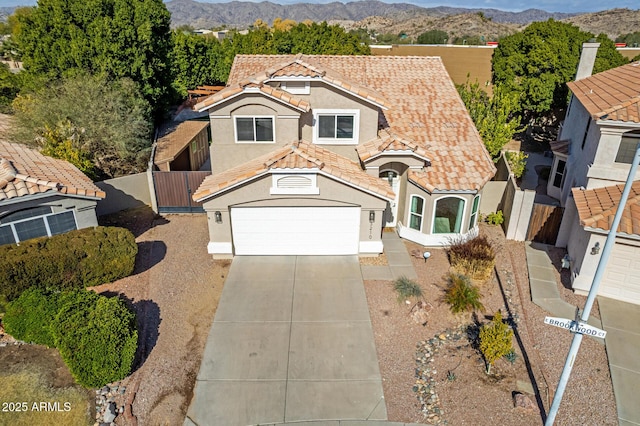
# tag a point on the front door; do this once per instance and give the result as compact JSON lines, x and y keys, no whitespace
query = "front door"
{"x":392,"y":214}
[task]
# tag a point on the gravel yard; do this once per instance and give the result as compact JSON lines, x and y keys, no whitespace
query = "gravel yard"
{"x":175,"y":291}
{"x":468,"y":396}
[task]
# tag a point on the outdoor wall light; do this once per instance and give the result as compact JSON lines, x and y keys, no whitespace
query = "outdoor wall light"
{"x":566,"y":262}
{"x":595,"y":249}
{"x":218,"y":216}
{"x":390,"y":176}
{"x":372,"y":216}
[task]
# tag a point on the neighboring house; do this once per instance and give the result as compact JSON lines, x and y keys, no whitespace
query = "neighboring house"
{"x":591,"y":162}
{"x":317,"y":154}
{"x":182,"y":146}
{"x":42,"y":196}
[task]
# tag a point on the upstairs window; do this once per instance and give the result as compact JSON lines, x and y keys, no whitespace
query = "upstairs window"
{"x":627,"y":149}
{"x":558,"y":177}
{"x":254,"y":129}
{"x":336,"y":127}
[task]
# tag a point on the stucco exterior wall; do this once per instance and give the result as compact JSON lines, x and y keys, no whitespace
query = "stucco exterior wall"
{"x":225,"y":152}
{"x":124,"y":193}
{"x":605,"y":171}
{"x":257,"y":194}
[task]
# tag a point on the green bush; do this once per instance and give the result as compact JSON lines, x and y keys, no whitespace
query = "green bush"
{"x":406,"y":289}
{"x":96,"y":337}
{"x":496,"y":218}
{"x":495,"y":340}
{"x":462,"y":295}
{"x":77,"y":259}
{"x":517,"y":162}
{"x":29,"y":317}
{"x":474,"y":258}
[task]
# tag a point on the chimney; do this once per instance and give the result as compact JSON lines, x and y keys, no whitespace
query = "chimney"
{"x":587,"y":59}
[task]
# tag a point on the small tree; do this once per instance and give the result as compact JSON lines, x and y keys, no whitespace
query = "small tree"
{"x":462,"y":295}
{"x":495,"y":340}
{"x":433,"y":37}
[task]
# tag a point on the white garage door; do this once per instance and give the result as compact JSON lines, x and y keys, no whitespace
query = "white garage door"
{"x":295,"y":230}
{"x":621,"y":279}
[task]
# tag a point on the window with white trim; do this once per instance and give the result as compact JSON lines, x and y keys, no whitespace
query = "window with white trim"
{"x":36,"y":222}
{"x":627,"y":148}
{"x":254,"y":129}
{"x":558,"y":176}
{"x":296,"y":87}
{"x":337,"y":127}
{"x":303,"y":184}
{"x":448,"y":215}
{"x":474,"y":212}
{"x":416,"y":212}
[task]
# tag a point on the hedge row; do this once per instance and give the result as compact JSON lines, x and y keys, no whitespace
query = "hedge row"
{"x":96,"y":335}
{"x":74,"y":260}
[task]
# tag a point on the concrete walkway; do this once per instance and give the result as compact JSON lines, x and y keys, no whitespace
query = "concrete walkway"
{"x":291,"y":342}
{"x":399,"y":261}
{"x":621,"y":320}
{"x":544,"y":287}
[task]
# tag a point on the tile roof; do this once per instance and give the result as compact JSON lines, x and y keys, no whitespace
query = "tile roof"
{"x":561,"y":147}
{"x":24,"y":171}
{"x":252,"y":86}
{"x":175,"y":136}
{"x":389,"y":141}
{"x":424,"y":107}
{"x":597,"y":207}
{"x":612,"y":95}
{"x":297,"y":155}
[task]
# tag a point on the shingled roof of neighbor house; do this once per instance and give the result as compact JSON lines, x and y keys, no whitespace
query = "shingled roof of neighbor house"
{"x":418,"y":102}
{"x":612,"y":95}
{"x":597,"y":207}
{"x":295,"y":156}
{"x":25,"y":171}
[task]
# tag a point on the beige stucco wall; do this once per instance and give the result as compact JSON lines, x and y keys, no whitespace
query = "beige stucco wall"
{"x":257,"y":194}
{"x":290,"y":124}
{"x":225,"y":152}
{"x":124,"y":192}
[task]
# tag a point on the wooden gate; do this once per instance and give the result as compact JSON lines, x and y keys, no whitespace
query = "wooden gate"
{"x":174,"y":190}
{"x":545,"y":223}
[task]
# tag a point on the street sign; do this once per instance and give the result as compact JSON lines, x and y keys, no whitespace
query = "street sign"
{"x":575,"y":327}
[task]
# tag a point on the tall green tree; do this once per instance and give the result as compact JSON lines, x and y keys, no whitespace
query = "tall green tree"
{"x":114,"y":38}
{"x":495,"y":116}
{"x":195,"y":60}
{"x":8,"y":88}
{"x":537,"y":63}
{"x":433,"y":37}
{"x":88,"y":117}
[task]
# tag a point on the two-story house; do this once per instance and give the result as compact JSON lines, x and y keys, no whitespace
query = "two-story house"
{"x":315,"y":155}
{"x":591,"y":163}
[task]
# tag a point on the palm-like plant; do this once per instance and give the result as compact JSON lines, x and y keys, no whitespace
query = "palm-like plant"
{"x":462,"y":295}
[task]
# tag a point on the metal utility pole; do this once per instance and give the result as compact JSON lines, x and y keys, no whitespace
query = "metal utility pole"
{"x":593,"y":292}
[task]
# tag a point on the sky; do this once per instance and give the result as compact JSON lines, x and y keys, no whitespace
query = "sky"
{"x":509,"y":5}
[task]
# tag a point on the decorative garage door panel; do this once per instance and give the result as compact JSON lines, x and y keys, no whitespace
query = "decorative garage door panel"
{"x":621,"y":279}
{"x":295,"y":230}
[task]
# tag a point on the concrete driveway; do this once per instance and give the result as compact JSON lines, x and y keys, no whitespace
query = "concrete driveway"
{"x":291,"y":341}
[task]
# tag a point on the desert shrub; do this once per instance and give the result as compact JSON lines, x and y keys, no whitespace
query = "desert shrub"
{"x":495,"y":340}
{"x":496,"y":218}
{"x":517,"y":162}
{"x":29,"y":317}
{"x":73,"y":260}
{"x":406,"y":289}
{"x":474,"y":258}
{"x":462,"y":295}
{"x":96,"y":337}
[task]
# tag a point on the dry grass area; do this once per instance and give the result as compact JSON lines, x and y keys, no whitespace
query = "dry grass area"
{"x":474,"y":397}
{"x":37,"y":389}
